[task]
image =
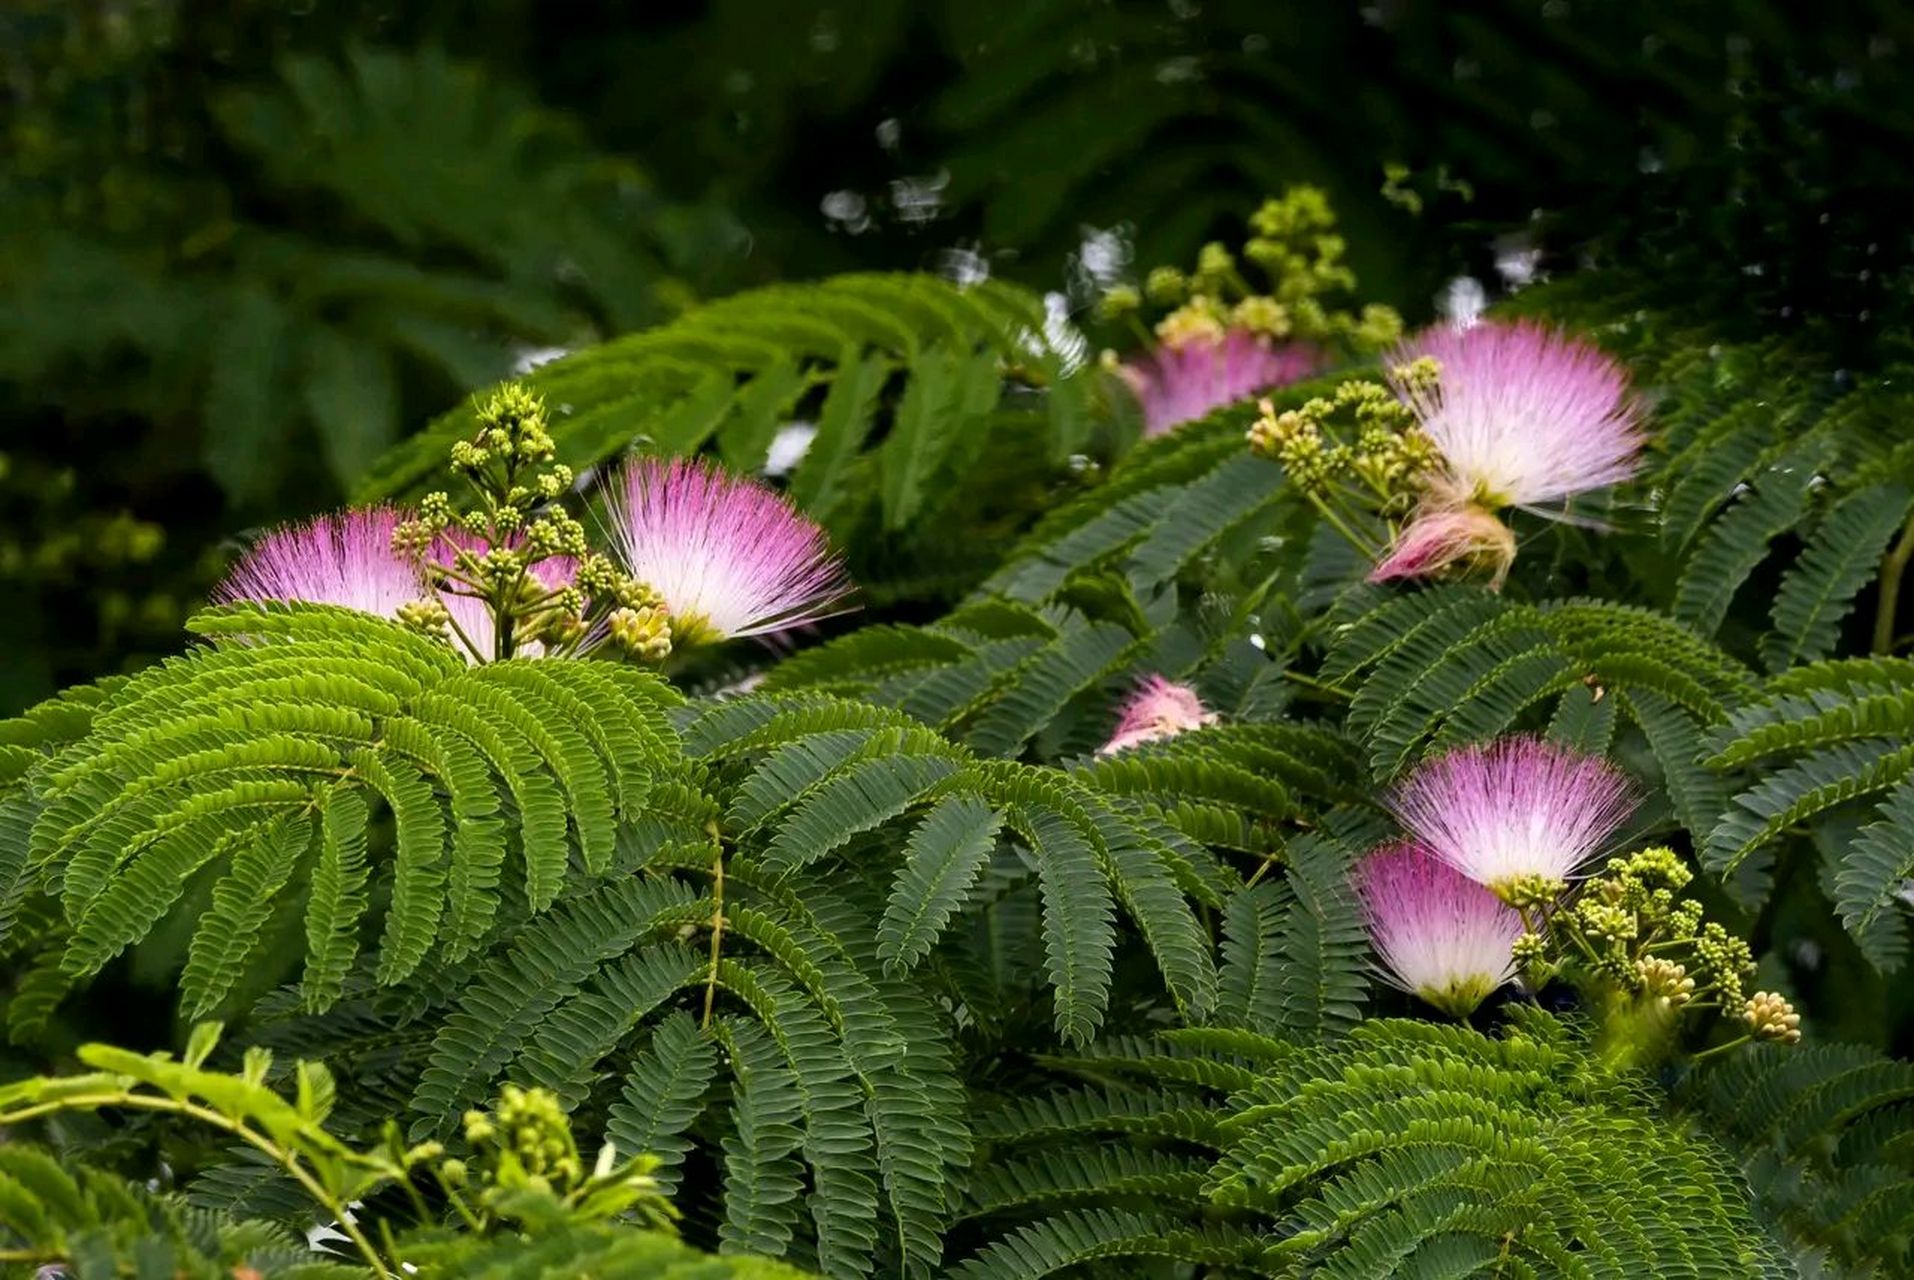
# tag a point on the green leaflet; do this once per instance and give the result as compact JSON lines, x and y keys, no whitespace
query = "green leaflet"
{"x":1842,"y":557}
{"x":1078,"y":933}
{"x":943,"y":858}
{"x":242,"y":899}
{"x":663,"y":1093}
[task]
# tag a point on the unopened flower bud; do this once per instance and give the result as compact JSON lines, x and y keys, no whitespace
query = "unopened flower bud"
{"x":1771,"y":1017}
{"x":427,"y":617}
{"x":1262,"y":315}
{"x":1119,"y":301}
{"x":1665,"y":980}
{"x":1165,"y":286}
{"x":644,"y":633}
{"x":597,"y":575}
{"x":1527,"y":891}
{"x":1195,"y":321}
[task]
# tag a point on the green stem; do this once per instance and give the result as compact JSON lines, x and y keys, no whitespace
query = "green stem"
{"x":717,"y":926}
{"x":284,"y":1159}
{"x":1337,"y":523}
{"x":1893,"y":565}
{"x":1310,"y":682}
{"x":1721,"y":1048}
{"x":471,"y":646}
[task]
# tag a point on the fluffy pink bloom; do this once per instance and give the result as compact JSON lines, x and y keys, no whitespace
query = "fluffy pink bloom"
{"x":1441,"y":536}
{"x":471,"y":613}
{"x":1523,"y":414}
{"x":1518,"y":806}
{"x":1178,"y":384}
{"x":730,"y":557}
{"x":345,"y":558}
{"x":1438,"y":933}
{"x":1158,"y":708}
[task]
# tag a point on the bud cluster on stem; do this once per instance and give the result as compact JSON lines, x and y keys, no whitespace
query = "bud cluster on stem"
{"x":514,"y":574}
{"x":1223,"y":336}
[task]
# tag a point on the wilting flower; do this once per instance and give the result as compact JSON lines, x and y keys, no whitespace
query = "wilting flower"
{"x":1518,"y":811}
{"x":1523,"y":414}
{"x":345,"y":558}
{"x":727,"y":556}
{"x":1439,"y":934}
{"x":1182,"y":382}
{"x":1158,"y":708}
{"x":1438,"y":537}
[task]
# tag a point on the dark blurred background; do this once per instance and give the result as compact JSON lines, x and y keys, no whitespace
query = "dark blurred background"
{"x":244,"y":247}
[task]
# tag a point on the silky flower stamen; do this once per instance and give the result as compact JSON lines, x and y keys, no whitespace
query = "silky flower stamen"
{"x":1520,"y":810}
{"x":1437,"y":933}
{"x":727,"y":556}
{"x":1522,"y":414}
{"x":1157,"y":709}
{"x":1181,"y":382}
{"x":342,"y":558}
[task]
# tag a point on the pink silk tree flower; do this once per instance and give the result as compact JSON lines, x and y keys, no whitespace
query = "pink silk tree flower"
{"x":471,"y":615}
{"x":343,"y":558}
{"x":1519,"y":809}
{"x":728,"y":556}
{"x":1523,"y":414}
{"x":1438,"y":537}
{"x":1439,"y":934}
{"x":1181,"y":383}
{"x":1158,"y":708}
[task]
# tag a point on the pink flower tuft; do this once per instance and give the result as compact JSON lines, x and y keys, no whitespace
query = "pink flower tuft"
{"x":1438,"y":537}
{"x":1178,"y":384}
{"x":1439,"y":934}
{"x":730,"y":557}
{"x":1519,"y":806}
{"x":1158,"y":708}
{"x":345,"y":558}
{"x":1523,"y":414}
{"x":472,"y":615}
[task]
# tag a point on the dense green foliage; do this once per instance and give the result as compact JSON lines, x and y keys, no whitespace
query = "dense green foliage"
{"x":855,"y":952}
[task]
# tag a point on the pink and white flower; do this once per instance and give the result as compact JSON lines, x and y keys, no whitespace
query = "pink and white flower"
{"x":1515,"y":808}
{"x":1181,"y":383}
{"x":344,"y":558}
{"x":1158,"y":708}
{"x":729,"y":557}
{"x":1438,"y":933}
{"x":1523,"y":414}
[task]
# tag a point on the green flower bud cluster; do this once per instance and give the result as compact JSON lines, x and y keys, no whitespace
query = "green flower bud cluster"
{"x":526,"y":1141}
{"x":514,"y":528}
{"x":1295,"y":439}
{"x":1530,"y":892}
{"x":1625,"y":932}
{"x":1294,"y":247}
{"x":523,"y":1148}
{"x":1725,"y":960}
{"x":1386,"y":453}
